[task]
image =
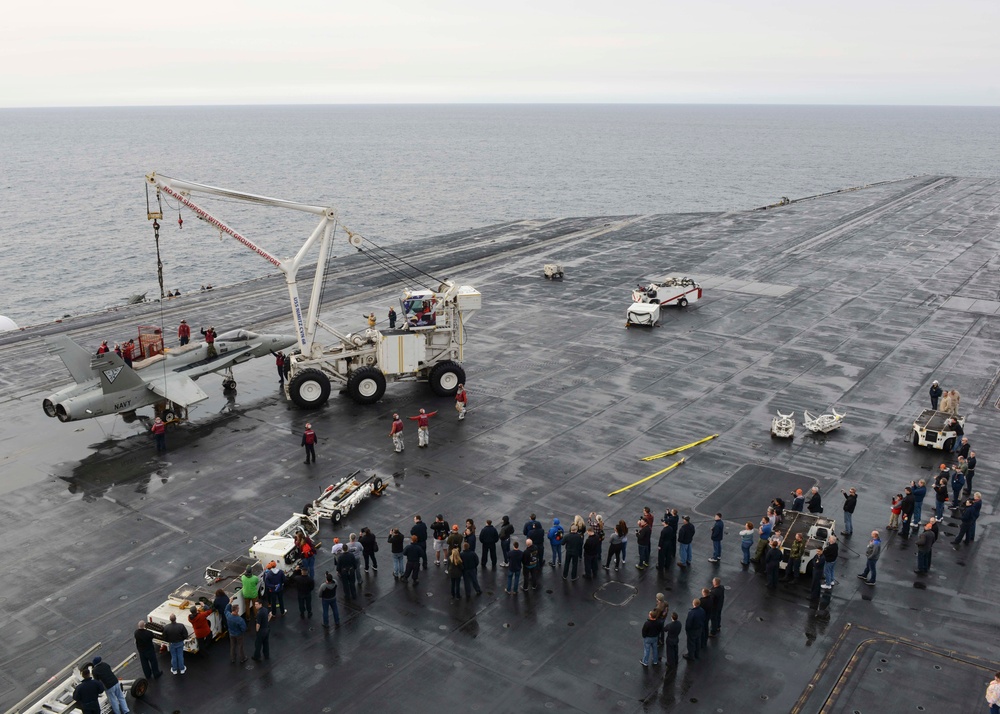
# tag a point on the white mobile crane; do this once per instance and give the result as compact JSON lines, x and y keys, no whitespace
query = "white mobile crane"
{"x":427,"y":348}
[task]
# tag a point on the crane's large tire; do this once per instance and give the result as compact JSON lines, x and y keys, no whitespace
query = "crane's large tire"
{"x":366,"y":385}
{"x":310,"y":388}
{"x":445,"y":378}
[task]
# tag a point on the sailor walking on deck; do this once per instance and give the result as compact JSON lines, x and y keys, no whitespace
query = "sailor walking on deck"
{"x":461,"y":401}
{"x":184,"y":333}
{"x":423,"y":420}
{"x":309,"y":442}
{"x":396,"y":433}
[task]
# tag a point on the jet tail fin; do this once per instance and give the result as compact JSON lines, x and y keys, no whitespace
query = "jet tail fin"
{"x":115,"y":375}
{"x":76,"y":359}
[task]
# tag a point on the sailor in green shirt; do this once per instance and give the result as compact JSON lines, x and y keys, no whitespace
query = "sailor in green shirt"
{"x":797,"y":550}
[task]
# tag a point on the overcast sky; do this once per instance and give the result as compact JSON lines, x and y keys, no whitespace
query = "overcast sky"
{"x":326,"y":52}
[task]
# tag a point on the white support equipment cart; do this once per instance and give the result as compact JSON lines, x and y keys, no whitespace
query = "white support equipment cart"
{"x":341,"y":498}
{"x":824,"y":423}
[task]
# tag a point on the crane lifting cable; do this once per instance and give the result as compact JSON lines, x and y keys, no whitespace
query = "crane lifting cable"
{"x":154,"y":216}
{"x":404,"y":262}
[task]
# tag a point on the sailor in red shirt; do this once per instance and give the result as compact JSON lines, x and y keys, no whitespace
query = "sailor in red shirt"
{"x":309,"y":441}
{"x":103,"y":348}
{"x":423,"y":420}
{"x":159,"y":430}
{"x":184,"y":332}
{"x":128,"y":352}
{"x":397,"y":432}
{"x":461,"y":401}
{"x":210,"y":336}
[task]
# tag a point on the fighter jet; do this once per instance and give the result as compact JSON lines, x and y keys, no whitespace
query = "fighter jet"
{"x":106,"y":385}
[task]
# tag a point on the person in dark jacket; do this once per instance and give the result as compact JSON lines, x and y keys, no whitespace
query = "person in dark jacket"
{"x":708,"y":605}
{"x":925,"y":542}
{"x":396,"y":548}
{"x":672,"y":632}
{"x":695,"y":623}
{"x":414,"y":554}
{"x":146,"y":649}
{"x":815,"y":503}
{"x":112,"y":686}
{"x":88,"y":692}
{"x":303,"y":586}
{"x":666,"y":546}
{"x":718,"y":601}
{"x":530,"y":525}
{"x":506,"y":531}
{"x":488,"y":539}
{"x":957,"y":482}
{"x":274,"y":587}
{"x":470,"y":566}
{"x":175,"y":633}
{"x":968,"y":518}
{"x":262,"y":642}
{"x":718,"y":529}
{"x":872,"y":553}
{"x":651,"y":629}
{"x":772,"y":565}
{"x":977,"y":506}
{"x":537,"y":537}
{"x":919,"y":490}
{"x":574,"y":551}
{"x":684,"y":538}
{"x":531,"y":564}
{"x":369,"y":545}
{"x":830,"y":554}
{"x":818,"y":565}
{"x":514,"y":558}
{"x":455,"y":572}
{"x":935,"y":392}
{"x":347,"y":566}
{"x":221,"y":607}
{"x":906,"y":512}
{"x":591,"y":554}
{"x":556,"y":535}
{"x":940,"y":497}
{"x":850,"y":503}
{"x":643,"y":539}
{"x":237,"y":628}
{"x":798,"y":501}
{"x":328,"y":597}
{"x":419,"y":530}
{"x":970,"y":473}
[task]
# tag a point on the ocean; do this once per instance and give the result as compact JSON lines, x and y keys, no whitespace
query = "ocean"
{"x":75,"y":237}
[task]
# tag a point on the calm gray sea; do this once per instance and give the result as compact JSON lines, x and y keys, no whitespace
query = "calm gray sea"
{"x":75,"y":238}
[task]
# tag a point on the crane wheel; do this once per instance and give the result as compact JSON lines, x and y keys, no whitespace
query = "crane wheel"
{"x":445,"y":378}
{"x":309,"y":389}
{"x":366,"y":385}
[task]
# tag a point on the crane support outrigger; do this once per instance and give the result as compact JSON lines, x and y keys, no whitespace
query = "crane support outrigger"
{"x":428,"y":347}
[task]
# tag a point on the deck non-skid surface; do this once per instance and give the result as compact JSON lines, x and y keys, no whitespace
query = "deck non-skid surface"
{"x":835,"y":301}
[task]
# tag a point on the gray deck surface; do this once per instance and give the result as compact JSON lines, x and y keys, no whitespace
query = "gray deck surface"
{"x":855,"y":300}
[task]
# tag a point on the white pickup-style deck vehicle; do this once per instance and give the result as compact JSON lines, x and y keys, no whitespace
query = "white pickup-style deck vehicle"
{"x":814,"y":528}
{"x":675,"y":290}
{"x":931,"y":429}
{"x":279,"y":544}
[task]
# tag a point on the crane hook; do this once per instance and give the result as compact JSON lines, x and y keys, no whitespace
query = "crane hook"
{"x":180,"y":221}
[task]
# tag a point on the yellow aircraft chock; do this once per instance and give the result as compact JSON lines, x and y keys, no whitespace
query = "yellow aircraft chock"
{"x":679,"y":448}
{"x":658,"y":473}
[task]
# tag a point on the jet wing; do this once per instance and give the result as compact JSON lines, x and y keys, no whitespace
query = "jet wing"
{"x":177,"y":388}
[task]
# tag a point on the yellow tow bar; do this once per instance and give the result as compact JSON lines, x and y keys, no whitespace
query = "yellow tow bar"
{"x":658,"y":473}
{"x":679,"y":449}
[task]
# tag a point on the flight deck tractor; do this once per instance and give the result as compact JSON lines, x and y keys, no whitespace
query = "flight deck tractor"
{"x":427,"y":345}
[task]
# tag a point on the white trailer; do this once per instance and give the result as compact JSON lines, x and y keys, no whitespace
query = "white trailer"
{"x":934,"y":430}
{"x":429,"y":346}
{"x":341,"y":498}
{"x":824,"y":423}
{"x":56,"y":694}
{"x":674,"y":290}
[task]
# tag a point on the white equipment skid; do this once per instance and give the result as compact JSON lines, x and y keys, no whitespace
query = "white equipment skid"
{"x":674,"y":290}
{"x":824,"y":423}
{"x":428,"y":348}
{"x":341,"y":498}
{"x":783,"y":426}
